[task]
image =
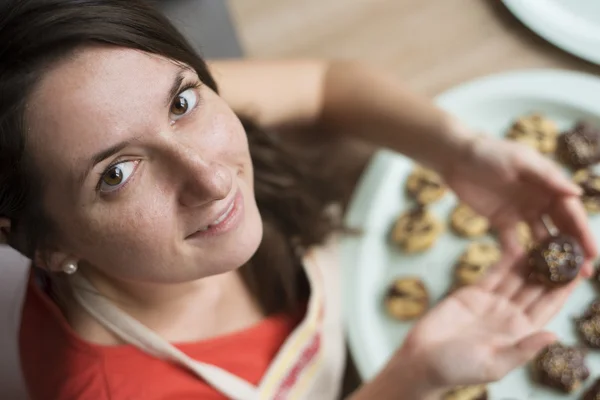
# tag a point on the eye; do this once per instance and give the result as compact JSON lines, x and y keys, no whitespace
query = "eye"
{"x":116,"y":176}
{"x":183,"y":104}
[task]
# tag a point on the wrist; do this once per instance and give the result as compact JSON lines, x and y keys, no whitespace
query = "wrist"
{"x":406,"y":376}
{"x":456,"y":144}
{"x":413,"y":362}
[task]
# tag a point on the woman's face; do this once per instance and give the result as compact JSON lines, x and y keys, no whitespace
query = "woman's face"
{"x":146,"y":171}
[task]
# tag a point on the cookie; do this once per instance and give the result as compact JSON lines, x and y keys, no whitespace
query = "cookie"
{"x":467,"y":222}
{"x":579,"y":147}
{"x":475,"y":261}
{"x":476,"y":392}
{"x":416,"y":230}
{"x":406,"y":299}
{"x":561,"y":367}
{"x":588,"y":325}
{"x":524,"y":236}
{"x":557,"y":260}
{"x":425,"y":185}
{"x":536,"y":131}
{"x":589,"y":181}
{"x":593,"y":393}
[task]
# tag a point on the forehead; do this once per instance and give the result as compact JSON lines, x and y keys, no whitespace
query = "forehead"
{"x":97,"y":97}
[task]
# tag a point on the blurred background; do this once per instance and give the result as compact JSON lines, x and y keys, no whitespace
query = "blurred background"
{"x":431,"y":44}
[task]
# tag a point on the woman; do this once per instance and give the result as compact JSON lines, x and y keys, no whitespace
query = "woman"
{"x":183,"y":252}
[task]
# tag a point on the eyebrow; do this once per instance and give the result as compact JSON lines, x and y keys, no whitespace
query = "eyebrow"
{"x":103,"y":155}
{"x":175,"y":87}
{"x":112,"y":150}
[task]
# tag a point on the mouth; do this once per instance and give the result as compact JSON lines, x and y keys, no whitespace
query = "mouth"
{"x":227,"y":220}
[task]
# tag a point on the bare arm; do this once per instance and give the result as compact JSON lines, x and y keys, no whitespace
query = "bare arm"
{"x":349,"y":98}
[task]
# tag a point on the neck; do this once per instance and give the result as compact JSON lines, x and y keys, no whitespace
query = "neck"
{"x":181,"y":312}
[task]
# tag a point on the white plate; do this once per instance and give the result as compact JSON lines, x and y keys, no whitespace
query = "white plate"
{"x":573,"y":25}
{"x":489,"y":104}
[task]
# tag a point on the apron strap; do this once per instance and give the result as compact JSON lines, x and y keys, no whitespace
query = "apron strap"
{"x":135,"y":333}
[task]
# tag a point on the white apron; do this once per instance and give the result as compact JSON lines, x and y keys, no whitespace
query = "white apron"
{"x":309,"y":365}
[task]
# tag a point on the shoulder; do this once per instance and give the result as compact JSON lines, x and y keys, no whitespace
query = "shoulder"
{"x":14,"y":270}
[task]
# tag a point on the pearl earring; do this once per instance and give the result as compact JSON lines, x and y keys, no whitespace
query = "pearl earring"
{"x":70,"y":267}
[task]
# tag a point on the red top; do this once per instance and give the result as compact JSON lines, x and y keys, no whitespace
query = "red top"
{"x":59,"y":365}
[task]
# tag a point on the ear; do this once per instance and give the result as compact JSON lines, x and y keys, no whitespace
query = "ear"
{"x":52,"y":261}
{"x":4,"y":230}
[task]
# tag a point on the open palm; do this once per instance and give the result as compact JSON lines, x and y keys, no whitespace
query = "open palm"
{"x":481,"y":332}
{"x":509,"y":182}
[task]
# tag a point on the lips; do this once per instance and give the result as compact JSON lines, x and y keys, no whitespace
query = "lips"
{"x":226,"y":220}
{"x":223,"y":216}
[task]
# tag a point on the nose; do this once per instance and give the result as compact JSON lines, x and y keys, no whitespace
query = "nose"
{"x":204,"y":180}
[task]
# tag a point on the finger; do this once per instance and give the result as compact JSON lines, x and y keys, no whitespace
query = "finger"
{"x":500,"y":271}
{"x":514,"y":280}
{"x":545,"y":173}
{"x":529,"y":293}
{"x":508,"y":238}
{"x":520,"y":353}
{"x":549,"y":303}
{"x":587,"y":270}
{"x":539,"y":231}
{"x":571,"y":218}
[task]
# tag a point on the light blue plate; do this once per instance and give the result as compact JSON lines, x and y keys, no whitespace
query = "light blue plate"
{"x":490,"y":104}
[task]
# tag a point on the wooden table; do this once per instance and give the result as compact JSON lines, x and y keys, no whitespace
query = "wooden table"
{"x":430,"y":44}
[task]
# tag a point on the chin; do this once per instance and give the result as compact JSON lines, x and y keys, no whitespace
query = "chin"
{"x":240,"y":248}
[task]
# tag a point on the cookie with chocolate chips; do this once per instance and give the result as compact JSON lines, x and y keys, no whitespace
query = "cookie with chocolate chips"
{"x":561,"y":367}
{"x":556,"y":260}
{"x":466,"y":222}
{"x":425,"y":185}
{"x":475,"y":261}
{"x":406,"y":299}
{"x":593,"y":392}
{"x":416,"y":230}
{"x":589,"y":181}
{"x":475,"y":392}
{"x":536,"y":131}
{"x":588,"y":325}
{"x":579,"y":147}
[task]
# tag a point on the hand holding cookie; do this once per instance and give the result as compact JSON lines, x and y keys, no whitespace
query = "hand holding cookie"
{"x":507,"y":183}
{"x":492,"y":326}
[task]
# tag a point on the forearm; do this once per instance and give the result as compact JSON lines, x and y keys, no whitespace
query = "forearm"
{"x":343,"y":97}
{"x":371,"y":105}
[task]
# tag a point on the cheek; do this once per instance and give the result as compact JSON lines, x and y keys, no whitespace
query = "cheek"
{"x":112,"y":235}
{"x":227,"y":132}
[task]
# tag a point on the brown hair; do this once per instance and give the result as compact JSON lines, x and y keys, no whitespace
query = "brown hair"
{"x":35,"y":34}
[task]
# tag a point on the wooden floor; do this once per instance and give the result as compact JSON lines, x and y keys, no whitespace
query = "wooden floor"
{"x":431,"y":44}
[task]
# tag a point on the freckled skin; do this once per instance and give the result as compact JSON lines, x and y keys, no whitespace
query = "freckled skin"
{"x":187,"y":173}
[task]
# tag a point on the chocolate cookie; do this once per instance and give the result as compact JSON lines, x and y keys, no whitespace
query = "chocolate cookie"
{"x":416,"y":230}
{"x":475,"y":261}
{"x":588,"y":325}
{"x":557,"y":260}
{"x":476,"y":392}
{"x":536,"y":131}
{"x":593,"y":393}
{"x":467,"y":222}
{"x":425,"y":185}
{"x":579,"y":147}
{"x":561,"y":367}
{"x":589,"y":181}
{"x":407,"y":298}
